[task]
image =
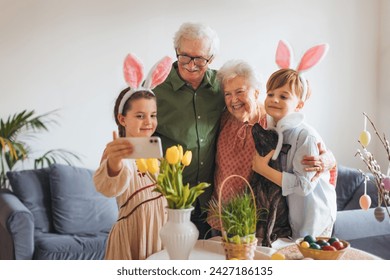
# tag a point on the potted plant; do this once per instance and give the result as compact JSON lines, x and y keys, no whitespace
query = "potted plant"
{"x":14,"y":131}
{"x":179,"y":234}
{"x":237,"y":222}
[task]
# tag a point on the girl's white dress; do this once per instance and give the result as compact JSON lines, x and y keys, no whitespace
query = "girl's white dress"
{"x":135,"y":235}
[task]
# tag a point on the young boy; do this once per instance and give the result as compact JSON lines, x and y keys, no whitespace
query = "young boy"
{"x":312,"y":204}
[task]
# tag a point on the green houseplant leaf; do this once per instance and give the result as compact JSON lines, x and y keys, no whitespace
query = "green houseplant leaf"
{"x":15,"y":131}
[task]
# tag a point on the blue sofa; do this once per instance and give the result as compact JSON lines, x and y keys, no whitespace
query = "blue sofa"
{"x":355,"y":225}
{"x":54,"y":214}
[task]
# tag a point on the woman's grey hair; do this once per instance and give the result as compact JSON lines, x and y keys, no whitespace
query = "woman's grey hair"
{"x":241,"y":68}
{"x":195,"y":31}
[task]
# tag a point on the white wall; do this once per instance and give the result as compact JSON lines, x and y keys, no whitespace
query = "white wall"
{"x":383,"y":82}
{"x":68,"y":55}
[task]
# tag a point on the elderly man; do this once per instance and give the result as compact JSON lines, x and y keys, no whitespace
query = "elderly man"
{"x":189,"y":105}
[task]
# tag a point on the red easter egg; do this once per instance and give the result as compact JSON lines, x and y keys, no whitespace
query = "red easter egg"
{"x":386,"y":183}
{"x":365,"y":202}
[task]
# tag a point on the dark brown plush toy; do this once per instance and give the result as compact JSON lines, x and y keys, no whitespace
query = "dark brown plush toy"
{"x":273,"y":222}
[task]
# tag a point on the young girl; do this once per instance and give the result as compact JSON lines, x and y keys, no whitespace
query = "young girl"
{"x":135,"y":235}
{"x":312,"y":204}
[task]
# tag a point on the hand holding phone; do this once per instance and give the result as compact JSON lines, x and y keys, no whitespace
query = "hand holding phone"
{"x":146,"y":147}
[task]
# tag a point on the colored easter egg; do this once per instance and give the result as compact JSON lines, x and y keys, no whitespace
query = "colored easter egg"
{"x":315,"y":246}
{"x":386,"y":183}
{"x":329,"y":248}
{"x":305,"y":244}
{"x":333,"y":239}
{"x":338,"y":245}
{"x":365,"y":202}
{"x":379,"y":213}
{"x":310,"y":239}
{"x":365,"y":138}
{"x":278,"y":256}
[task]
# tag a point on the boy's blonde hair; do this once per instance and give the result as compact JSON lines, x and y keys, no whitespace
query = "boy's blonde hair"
{"x":290,"y":77}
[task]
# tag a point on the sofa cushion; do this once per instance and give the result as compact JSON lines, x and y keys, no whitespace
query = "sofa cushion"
{"x":49,"y":246}
{"x":372,"y":192}
{"x":348,"y":181}
{"x":76,"y":205}
{"x":33,"y":190}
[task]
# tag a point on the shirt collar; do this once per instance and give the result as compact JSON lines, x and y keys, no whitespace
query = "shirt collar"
{"x":288,"y":122}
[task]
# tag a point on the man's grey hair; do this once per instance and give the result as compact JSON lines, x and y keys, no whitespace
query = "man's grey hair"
{"x":191,"y":31}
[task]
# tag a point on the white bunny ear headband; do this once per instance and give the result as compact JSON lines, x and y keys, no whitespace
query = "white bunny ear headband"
{"x":133,"y":71}
{"x":284,"y":59}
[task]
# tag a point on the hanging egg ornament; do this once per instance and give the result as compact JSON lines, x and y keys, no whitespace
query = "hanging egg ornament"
{"x":365,"y":138}
{"x":379,"y":213}
{"x":386,"y":183}
{"x":365,"y":201}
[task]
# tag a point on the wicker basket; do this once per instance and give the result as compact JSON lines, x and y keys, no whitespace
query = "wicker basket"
{"x":236,"y":251}
{"x":239,"y":251}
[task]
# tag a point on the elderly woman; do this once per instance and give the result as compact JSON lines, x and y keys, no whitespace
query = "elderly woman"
{"x":235,"y":146}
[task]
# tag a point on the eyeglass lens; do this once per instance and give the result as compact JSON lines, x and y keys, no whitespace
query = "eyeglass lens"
{"x":199,"y":61}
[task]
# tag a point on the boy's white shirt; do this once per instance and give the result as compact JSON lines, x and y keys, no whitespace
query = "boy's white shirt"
{"x":312,"y":205}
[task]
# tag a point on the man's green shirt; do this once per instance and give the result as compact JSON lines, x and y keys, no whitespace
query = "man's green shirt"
{"x":191,"y":119}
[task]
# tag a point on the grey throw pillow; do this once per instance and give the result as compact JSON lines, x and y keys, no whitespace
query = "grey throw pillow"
{"x":348,"y":182}
{"x":33,"y":190}
{"x":76,"y":205}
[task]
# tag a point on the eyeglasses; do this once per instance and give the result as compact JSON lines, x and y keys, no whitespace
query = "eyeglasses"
{"x":198,"y":60}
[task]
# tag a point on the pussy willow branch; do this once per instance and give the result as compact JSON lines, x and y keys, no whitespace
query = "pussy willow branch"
{"x":371,"y":164}
{"x":384,"y":141}
{"x":374,"y":168}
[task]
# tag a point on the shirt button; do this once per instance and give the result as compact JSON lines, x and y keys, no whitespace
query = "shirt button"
{"x":198,"y":117}
{"x":201,"y":140}
{"x":201,"y":163}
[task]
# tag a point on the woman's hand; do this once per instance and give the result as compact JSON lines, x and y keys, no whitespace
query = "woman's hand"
{"x":323,"y":162}
{"x":116,"y":150}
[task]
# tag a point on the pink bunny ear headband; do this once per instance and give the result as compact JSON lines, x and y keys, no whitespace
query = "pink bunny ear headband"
{"x":284,"y":59}
{"x":133,"y":72}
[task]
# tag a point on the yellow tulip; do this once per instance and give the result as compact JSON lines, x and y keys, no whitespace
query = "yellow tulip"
{"x":186,"y":160}
{"x":141,"y":165}
{"x":152,"y":164}
{"x":172,"y":155}
{"x":180,"y":148}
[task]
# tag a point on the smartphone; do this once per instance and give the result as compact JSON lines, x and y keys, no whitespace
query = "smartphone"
{"x":146,"y":147}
